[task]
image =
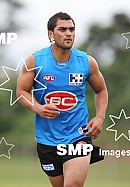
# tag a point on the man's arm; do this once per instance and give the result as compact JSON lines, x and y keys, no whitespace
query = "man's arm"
{"x":97,"y":83}
{"x":24,"y":84}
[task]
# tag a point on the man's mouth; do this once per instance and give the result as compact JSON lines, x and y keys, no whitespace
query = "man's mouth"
{"x":68,"y":40}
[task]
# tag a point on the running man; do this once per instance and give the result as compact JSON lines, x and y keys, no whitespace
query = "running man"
{"x":61,"y":109}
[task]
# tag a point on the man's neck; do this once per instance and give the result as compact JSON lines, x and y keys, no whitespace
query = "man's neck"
{"x":60,"y":55}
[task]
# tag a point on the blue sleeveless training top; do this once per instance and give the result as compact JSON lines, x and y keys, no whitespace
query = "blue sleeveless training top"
{"x":66,"y":88}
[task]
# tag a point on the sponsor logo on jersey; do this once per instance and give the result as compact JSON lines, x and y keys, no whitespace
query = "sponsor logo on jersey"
{"x":62,"y":99}
{"x":80,"y":130}
{"x":75,"y":79}
{"x":48,"y":78}
{"x":48,"y":167}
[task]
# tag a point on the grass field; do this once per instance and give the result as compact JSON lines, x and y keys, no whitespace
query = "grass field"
{"x":26,"y":172}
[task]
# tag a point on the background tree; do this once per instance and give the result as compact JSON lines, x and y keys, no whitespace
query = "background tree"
{"x":16,"y":122}
{"x":8,"y":21}
{"x":108,"y":47}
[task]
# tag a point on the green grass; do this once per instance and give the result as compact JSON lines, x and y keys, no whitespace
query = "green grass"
{"x":26,"y":172}
{"x":112,"y":172}
{"x":23,"y":172}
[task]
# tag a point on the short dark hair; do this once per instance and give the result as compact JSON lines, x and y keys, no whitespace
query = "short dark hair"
{"x":53,"y":20}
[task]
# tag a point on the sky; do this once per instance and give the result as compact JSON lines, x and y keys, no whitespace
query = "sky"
{"x":35,"y":14}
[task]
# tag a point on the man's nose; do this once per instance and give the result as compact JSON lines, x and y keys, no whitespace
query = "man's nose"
{"x":68,"y":33}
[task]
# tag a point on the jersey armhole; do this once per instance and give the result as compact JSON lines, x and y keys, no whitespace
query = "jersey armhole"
{"x":35,"y":64}
{"x":87,"y":66}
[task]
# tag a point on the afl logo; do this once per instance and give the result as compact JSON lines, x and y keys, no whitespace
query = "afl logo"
{"x":48,"y":78}
{"x":63,"y":100}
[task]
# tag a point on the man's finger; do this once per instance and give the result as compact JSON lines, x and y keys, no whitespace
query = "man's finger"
{"x":52,"y":112}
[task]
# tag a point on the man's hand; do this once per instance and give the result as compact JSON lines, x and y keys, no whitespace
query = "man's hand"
{"x":95,"y":127}
{"x":48,"y":111}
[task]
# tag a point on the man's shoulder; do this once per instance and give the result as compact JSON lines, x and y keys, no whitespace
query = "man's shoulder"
{"x":77,"y":52}
{"x":42,"y":52}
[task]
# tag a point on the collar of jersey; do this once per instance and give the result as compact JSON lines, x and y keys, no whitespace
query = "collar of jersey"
{"x":57,"y":63}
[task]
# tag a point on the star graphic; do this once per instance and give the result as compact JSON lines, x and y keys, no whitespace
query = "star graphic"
{"x":5,"y":69}
{"x":127,"y":38}
{"x":5,"y":148}
{"x":121,"y":125}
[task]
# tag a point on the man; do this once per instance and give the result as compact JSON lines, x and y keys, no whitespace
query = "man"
{"x":61,"y":110}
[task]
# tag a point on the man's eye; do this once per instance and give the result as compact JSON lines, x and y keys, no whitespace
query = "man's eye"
{"x":72,"y":29}
{"x":62,"y":29}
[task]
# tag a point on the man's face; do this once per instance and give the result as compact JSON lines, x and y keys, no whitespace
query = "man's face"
{"x":64,"y":34}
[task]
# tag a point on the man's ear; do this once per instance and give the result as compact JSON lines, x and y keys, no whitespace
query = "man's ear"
{"x":50,"y":35}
